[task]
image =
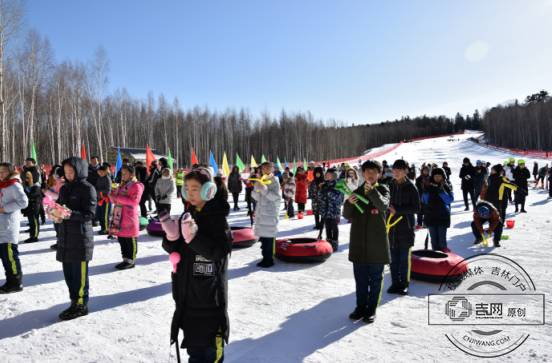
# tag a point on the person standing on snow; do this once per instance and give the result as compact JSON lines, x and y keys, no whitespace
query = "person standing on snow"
{"x":436,"y":201}
{"x":235,"y":186}
{"x":75,"y":244}
{"x":521,"y":177}
{"x":12,"y":200}
{"x":467,"y":172}
{"x":164,"y":191}
{"x":330,"y":201}
{"x":267,"y":210}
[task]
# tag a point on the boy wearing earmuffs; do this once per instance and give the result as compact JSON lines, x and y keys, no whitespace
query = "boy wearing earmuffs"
{"x":201,"y":241}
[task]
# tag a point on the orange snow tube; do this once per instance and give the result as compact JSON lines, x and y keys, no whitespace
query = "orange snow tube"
{"x":303,"y":250}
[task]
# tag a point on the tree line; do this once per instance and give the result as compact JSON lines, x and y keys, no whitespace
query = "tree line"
{"x":58,"y":106}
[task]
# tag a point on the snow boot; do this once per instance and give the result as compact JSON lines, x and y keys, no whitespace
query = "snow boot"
{"x":74,"y":311}
{"x":369,"y":316}
{"x":30,"y":240}
{"x":13,"y":284}
{"x":125,"y":265}
{"x":403,"y":289}
{"x":54,"y":246}
{"x":394,"y":288}
{"x":265,"y":264}
{"x":358,"y":313}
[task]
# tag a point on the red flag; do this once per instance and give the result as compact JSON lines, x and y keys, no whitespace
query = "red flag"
{"x":149,"y":157}
{"x":83,"y":152}
{"x":194,"y":158}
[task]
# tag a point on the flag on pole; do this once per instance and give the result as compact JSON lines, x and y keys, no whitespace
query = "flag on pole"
{"x":194,"y":158}
{"x":119,"y":163}
{"x":263,"y":159}
{"x":305,"y":164}
{"x":170,"y":160}
{"x":278,"y":163}
{"x":149,"y":158}
{"x":213,"y":162}
{"x":253,"y":163}
{"x":239,"y":163}
{"x":33,"y":153}
{"x":294,"y":167}
{"x":225,"y":165}
{"x":83,"y":152}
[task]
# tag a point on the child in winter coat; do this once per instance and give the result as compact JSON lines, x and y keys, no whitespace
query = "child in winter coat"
{"x":436,"y":201}
{"x":369,"y":245}
{"x":267,"y":213}
{"x":32,"y":212}
{"x":421,"y":182}
{"x":494,"y":191}
{"x":330,"y":201}
{"x":235,"y":186}
{"x":301,"y":187}
{"x":288,"y":187}
{"x":521,"y":179}
{"x":125,"y":223}
{"x":76,"y":238}
{"x":314,"y":189}
{"x":486,"y":212}
{"x":164,"y":191}
{"x":12,"y":200}
{"x":403,"y":205}
{"x":200,"y":240}
{"x":351,"y":179}
{"x":103,"y":190}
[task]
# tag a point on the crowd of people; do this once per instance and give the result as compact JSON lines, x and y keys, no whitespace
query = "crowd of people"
{"x":384,"y":203}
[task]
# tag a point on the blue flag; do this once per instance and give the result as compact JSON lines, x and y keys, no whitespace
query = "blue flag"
{"x":213,"y":162}
{"x":119,"y":163}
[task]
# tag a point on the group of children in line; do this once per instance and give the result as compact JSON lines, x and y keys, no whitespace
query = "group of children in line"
{"x":381,"y":203}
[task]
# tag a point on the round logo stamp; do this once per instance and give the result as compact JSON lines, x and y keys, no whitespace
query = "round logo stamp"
{"x":487,"y":304}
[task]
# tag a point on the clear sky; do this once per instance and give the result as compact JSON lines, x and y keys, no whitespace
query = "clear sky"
{"x":356,"y":61}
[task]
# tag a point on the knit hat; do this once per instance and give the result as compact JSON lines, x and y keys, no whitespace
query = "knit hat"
{"x":521,"y":162}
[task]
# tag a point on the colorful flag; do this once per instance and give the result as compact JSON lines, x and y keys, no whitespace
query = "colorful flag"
{"x":213,"y":162}
{"x":278,"y":163}
{"x":83,"y":152}
{"x":119,"y":163}
{"x":294,"y":167}
{"x":170,"y":160}
{"x":263,"y":159}
{"x":253,"y":163}
{"x":225,"y":165}
{"x":194,"y":158}
{"x":33,"y":153}
{"x":149,"y":158}
{"x":239,"y":163}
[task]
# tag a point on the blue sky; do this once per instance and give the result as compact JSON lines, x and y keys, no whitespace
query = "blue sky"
{"x":357,"y":61}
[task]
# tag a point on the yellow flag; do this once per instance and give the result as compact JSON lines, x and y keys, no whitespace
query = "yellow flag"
{"x":225,"y":166}
{"x":253,"y":162}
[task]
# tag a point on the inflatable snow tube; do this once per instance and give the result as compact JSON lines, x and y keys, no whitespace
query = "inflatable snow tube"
{"x":154,"y":228}
{"x":437,"y":266}
{"x":243,"y":237}
{"x":303,"y":250}
{"x":143,"y":223}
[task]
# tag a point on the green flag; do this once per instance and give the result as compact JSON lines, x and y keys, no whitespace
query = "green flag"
{"x":33,"y":153}
{"x":263,"y":159}
{"x":278,"y":163}
{"x":170,"y":160}
{"x":239,"y":163}
{"x":294,"y":167}
{"x":305,"y":164}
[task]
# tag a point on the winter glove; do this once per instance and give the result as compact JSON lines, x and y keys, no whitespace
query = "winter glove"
{"x":170,"y":227}
{"x":174,"y":259}
{"x":188,"y":227}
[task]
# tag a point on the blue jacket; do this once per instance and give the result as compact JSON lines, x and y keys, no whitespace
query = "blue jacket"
{"x":329,"y":201}
{"x":436,"y":203}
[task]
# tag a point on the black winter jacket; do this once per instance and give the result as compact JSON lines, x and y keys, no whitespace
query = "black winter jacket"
{"x":406,"y":201}
{"x":76,"y":238}
{"x":467,"y":172}
{"x":200,"y":284}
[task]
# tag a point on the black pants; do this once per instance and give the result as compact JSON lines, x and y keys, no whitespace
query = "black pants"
{"x":267,"y":248}
{"x":369,"y":283}
{"x":10,"y":260}
{"x":332,"y":232}
{"x":42,"y":214}
{"x":301,"y":207}
{"x":290,"y":209}
{"x":162,"y":207}
{"x":400,"y":266}
{"x":76,"y":278}
{"x":179,"y":191}
{"x":34,"y":226}
{"x":102,"y":214}
{"x":317,"y":221}
{"x":236,"y":196}
{"x":209,"y":354}
{"x":129,"y":247}
{"x":249,"y":199}
{"x":496,"y":235}
{"x":471,"y":193}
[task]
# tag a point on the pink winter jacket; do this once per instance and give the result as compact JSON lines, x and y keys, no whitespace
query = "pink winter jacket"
{"x":128,"y":196}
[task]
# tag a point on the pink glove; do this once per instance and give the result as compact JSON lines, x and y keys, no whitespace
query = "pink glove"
{"x":174,"y":258}
{"x":170,"y":227}
{"x":189,"y":228}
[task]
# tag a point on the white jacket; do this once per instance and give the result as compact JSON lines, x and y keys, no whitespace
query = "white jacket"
{"x":267,"y":209}
{"x":12,"y":199}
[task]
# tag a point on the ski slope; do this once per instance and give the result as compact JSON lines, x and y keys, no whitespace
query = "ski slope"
{"x":289,"y":313}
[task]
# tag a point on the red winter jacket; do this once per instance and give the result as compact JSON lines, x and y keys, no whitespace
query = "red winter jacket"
{"x":301,"y":187}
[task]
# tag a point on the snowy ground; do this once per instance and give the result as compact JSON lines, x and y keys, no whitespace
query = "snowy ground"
{"x":289,"y":313}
